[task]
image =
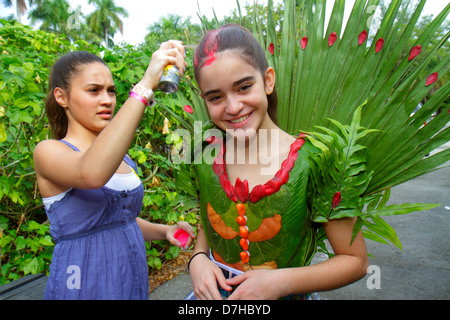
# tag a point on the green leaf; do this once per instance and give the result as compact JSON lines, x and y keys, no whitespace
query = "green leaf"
{"x":357,"y":227}
{"x":20,"y":242}
{"x":173,"y":252}
{"x":33,"y":265}
{"x":399,"y":209}
{"x":33,"y":225}
{"x":380,"y":227}
{"x":46,"y":241}
{"x":3,"y":135}
{"x":339,"y":168}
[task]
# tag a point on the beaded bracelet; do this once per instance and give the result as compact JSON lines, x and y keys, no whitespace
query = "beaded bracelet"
{"x":201,"y":252}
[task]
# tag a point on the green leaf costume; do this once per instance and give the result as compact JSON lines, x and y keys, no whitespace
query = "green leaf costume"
{"x":280,"y":219}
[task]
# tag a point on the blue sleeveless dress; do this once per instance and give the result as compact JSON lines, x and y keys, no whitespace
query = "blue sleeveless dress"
{"x":100,"y":251}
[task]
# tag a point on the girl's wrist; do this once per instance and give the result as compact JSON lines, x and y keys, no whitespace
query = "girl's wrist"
{"x":143,"y":94}
{"x":149,"y":82}
{"x":196,"y":255}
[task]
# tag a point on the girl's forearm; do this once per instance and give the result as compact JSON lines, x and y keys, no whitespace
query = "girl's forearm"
{"x":201,"y":244}
{"x":108,"y":149}
{"x":152,"y":231}
{"x":331,"y":274}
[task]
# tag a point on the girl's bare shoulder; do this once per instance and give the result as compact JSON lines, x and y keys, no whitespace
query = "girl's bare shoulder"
{"x":50,"y":149}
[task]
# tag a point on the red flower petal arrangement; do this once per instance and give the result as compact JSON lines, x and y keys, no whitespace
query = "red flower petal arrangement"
{"x":432,"y":78}
{"x":362,"y":37}
{"x":304,"y":42}
{"x":331,"y":39}
{"x":415,"y":51}
{"x":271,"y":48}
{"x":240,"y":190}
{"x":379,"y":45}
{"x":336,"y":199}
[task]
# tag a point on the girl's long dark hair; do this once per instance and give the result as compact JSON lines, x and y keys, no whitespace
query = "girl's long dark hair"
{"x":61,"y":76}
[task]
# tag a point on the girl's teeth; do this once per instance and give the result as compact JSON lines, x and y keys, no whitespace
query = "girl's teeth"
{"x":240,"y":119}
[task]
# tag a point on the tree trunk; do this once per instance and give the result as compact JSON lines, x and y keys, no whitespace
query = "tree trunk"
{"x":106,"y":37}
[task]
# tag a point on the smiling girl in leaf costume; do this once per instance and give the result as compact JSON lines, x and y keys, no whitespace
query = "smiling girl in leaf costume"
{"x":254,"y":214}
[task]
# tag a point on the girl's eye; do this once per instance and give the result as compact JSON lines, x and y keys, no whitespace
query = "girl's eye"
{"x":112,"y":91}
{"x":245,"y":87}
{"x":213,"y":98}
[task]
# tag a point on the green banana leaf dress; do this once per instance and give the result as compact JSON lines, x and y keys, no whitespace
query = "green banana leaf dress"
{"x":266,"y":227}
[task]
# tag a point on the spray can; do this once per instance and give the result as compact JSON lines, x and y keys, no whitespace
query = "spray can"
{"x":170,"y":79}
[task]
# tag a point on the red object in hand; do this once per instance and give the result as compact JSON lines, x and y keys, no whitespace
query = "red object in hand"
{"x":181,"y":236}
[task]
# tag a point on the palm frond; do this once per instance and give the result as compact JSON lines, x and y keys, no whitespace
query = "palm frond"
{"x":328,"y":73}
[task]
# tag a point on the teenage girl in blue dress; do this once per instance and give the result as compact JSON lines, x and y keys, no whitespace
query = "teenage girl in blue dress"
{"x":89,"y":185}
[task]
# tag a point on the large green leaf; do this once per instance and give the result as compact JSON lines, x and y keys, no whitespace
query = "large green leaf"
{"x":339,"y":169}
{"x":322,"y":81}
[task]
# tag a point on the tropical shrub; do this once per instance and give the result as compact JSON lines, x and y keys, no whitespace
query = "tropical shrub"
{"x":27,"y":56}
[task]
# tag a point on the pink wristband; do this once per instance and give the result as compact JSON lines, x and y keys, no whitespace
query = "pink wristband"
{"x":139,"y":97}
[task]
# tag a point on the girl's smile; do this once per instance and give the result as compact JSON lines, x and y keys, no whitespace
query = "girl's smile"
{"x":241,"y":121}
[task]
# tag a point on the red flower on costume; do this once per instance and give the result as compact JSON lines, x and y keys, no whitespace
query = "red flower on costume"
{"x":244,"y":243}
{"x":336,"y":199}
{"x":304,"y":42}
{"x":331,"y":39}
{"x":272,"y":186}
{"x":245,"y":257}
{"x":283,"y":175}
{"x":379,"y":45}
{"x":415,"y":51}
{"x":228,"y":188}
{"x":218,"y":168}
{"x":288,"y":164}
{"x":257,"y":193}
{"x":432,"y":78}
{"x":362,"y":37}
{"x":241,"y":189}
{"x":271,"y":48}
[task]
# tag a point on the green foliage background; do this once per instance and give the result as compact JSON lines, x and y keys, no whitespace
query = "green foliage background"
{"x":27,"y":56}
